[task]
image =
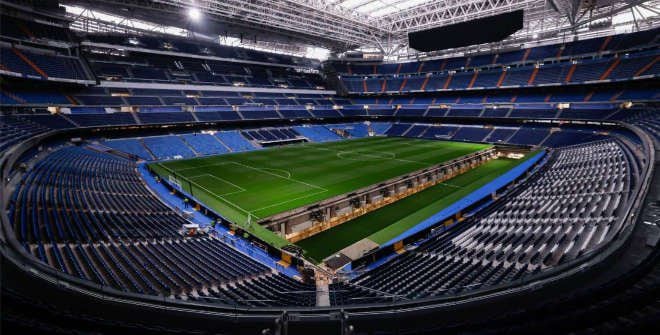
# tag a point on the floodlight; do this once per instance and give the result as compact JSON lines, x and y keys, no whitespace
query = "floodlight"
{"x":194,"y":13}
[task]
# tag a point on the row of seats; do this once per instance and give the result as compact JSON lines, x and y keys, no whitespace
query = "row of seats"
{"x":562,"y":73}
{"x":30,"y":124}
{"x":185,"y":45}
{"x":175,"y":267}
{"x":96,"y":96}
{"x":548,"y":52}
{"x":88,"y":214}
{"x":294,"y":104}
{"x":201,"y":144}
{"x":183,"y":146}
{"x":148,"y":66}
{"x":574,"y":94}
{"x":574,"y":205}
{"x":77,"y":194}
{"x":317,"y":133}
{"x":62,"y":121}
{"x":32,"y":31}
{"x":41,"y":65}
{"x":547,"y":110}
{"x":270,"y":134}
{"x":199,"y":72}
{"x":524,"y":135}
{"x":14,"y":129}
{"x":645,"y":117}
{"x":158,"y":103}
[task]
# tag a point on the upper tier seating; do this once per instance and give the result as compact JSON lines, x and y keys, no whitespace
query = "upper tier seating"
{"x":151,"y":67}
{"x":325,"y":112}
{"x":90,"y":120}
{"x":158,"y":117}
{"x":32,"y":31}
{"x":619,"y":42}
{"x":160,"y":100}
{"x":627,"y":67}
{"x":573,"y":206}
{"x":184,"y":45}
{"x":45,"y":64}
{"x":258,"y":113}
{"x":216,"y":114}
{"x":294,"y":112}
{"x":529,"y":135}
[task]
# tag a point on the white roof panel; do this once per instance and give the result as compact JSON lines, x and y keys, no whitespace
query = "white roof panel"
{"x":378,"y":8}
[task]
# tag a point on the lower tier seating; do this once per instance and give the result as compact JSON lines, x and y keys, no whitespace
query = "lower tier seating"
{"x":573,"y":206}
{"x":89,"y":215}
{"x":76,"y":194}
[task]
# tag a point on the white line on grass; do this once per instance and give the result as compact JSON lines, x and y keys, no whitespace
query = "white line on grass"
{"x":373,"y":154}
{"x":263,"y":170}
{"x":282,"y":170}
{"x":276,"y":175}
{"x":201,"y":166}
{"x":290,"y":200}
{"x":224,"y":199}
{"x":450,"y":185}
{"x":222,"y":180}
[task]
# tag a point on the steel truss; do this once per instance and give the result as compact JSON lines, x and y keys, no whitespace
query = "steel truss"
{"x":310,"y":18}
{"x":337,"y":25}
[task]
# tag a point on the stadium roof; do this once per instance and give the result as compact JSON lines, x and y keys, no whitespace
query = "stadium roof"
{"x":382,"y":25}
{"x":377,"y":8}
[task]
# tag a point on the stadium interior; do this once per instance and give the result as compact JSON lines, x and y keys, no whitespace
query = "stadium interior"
{"x":330,"y":166}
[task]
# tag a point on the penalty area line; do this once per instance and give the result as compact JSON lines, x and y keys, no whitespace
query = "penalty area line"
{"x":264,"y":170}
{"x":224,"y":199}
{"x":240,"y":189}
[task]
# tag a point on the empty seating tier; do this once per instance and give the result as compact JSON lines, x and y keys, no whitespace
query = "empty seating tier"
{"x":88,"y":214}
{"x":574,"y":205}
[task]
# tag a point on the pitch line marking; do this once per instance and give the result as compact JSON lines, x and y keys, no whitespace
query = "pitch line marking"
{"x":224,"y":199}
{"x":223,"y":180}
{"x":276,"y":175}
{"x":282,"y":170}
{"x":451,"y":185}
{"x":201,"y":166}
{"x":290,"y":200}
{"x":385,"y":154}
{"x":373,"y":154}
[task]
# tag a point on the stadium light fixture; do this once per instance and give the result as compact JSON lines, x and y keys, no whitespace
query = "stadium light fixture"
{"x":194,"y":13}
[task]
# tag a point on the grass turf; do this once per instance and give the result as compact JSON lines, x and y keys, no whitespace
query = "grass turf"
{"x":390,"y":221}
{"x":270,"y":181}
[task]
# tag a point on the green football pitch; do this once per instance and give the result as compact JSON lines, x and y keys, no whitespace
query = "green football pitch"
{"x":245,"y":187}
